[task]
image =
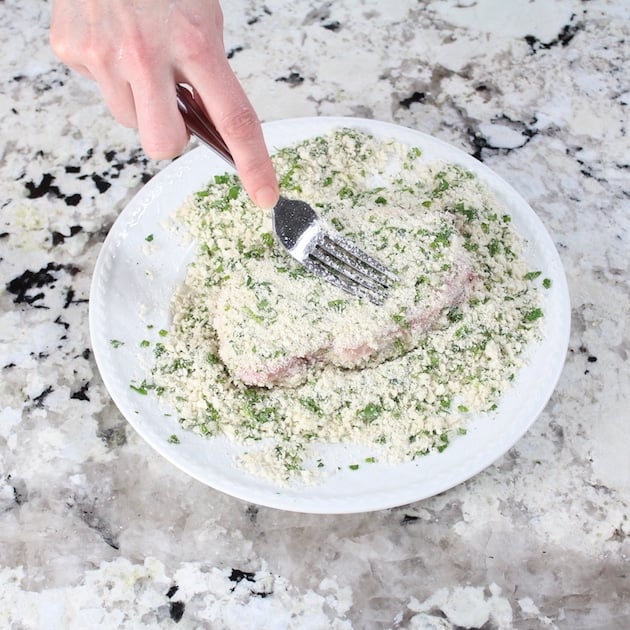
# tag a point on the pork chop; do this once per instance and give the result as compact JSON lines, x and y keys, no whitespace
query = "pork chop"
{"x":275,"y":327}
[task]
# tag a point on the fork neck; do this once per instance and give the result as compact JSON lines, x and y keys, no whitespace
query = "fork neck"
{"x":200,"y":125}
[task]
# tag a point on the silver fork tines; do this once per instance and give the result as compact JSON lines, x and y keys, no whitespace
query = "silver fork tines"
{"x":350,"y":268}
{"x":336,"y":245}
{"x":326,"y":253}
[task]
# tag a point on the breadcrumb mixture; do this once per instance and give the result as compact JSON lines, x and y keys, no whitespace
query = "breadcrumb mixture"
{"x":413,"y":403}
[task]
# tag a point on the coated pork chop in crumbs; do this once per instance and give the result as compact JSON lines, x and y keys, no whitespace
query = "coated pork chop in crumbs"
{"x":274,"y":329}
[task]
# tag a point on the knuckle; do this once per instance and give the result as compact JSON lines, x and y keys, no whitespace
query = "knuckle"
{"x":162,"y":148}
{"x":125,"y":118}
{"x":191,"y":47}
{"x":138,"y":56}
{"x":66,"y":49}
{"x":58,"y":45}
{"x":197,"y":40}
{"x":255,"y":168}
{"x":240,"y":124}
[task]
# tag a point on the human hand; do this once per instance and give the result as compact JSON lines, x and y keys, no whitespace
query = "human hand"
{"x":137,"y":50}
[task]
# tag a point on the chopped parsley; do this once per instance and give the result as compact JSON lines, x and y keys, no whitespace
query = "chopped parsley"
{"x":533,"y":315}
{"x":532,"y":275}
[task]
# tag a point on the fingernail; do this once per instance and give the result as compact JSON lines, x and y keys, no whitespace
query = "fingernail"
{"x":266,"y":197}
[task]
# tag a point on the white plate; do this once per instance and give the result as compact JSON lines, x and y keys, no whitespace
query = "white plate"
{"x":133,"y":284}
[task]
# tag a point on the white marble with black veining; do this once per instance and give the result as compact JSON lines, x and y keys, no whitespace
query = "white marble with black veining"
{"x":97,"y":531}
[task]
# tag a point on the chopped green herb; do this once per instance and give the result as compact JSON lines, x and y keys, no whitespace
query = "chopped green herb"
{"x":546,"y":283}
{"x":454,"y":315}
{"x":337,"y":223}
{"x":532,"y":275}
{"x":370,"y":412}
{"x":494,"y":247}
{"x":145,"y":343}
{"x":116,"y":343}
{"x":353,"y":466}
{"x":173,"y":439}
{"x":337,"y":305}
{"x":268,"y":239}
{"x":255,"y":316}
{"x":298,"y":271}
{"x":400,"y":347}
{"x":400,"y":320}
{"x":311,"y":405}
{"x":442,"y":238}
{"x":469,"y":213}
{"x":444,"y":442}
{"x":148,"y":238}
{"x":442,"y":185}
{"x":345,"y":192}
{"x":212,"y":415}
{"x":533,"y":315}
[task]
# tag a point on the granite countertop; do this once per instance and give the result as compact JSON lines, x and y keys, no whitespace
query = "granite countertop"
{"x":98,"y":531}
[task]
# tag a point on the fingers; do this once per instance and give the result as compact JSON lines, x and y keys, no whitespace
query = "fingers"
{"x":163,"y":133}
{"x":124,"y":47}
{"x":199,"y":55}
{"x":119,"y":99}
{"x":83,"y":40}
{"x":138,"y":51}
{"x":237,"y":122}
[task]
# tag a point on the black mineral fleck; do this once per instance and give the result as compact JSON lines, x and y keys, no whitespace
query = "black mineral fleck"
{"x":23,"y":285}
{"x":176,"y":610}
{"x":416,"y":97}
{"x":45,"y":187}
{"x":238,"y":576}
{"x":81,"y":393}
{"x":293,"y":79}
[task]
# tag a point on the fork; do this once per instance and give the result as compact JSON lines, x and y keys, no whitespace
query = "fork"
{"x":321,"y":250}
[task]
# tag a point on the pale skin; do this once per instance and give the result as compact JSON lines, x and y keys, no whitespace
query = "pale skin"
{"x":137,"y":50}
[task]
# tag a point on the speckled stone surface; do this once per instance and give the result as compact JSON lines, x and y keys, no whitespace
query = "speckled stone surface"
{"x":97,"y":531}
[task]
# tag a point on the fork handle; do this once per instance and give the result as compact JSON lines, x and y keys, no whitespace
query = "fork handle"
{"x":200,"y":125}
